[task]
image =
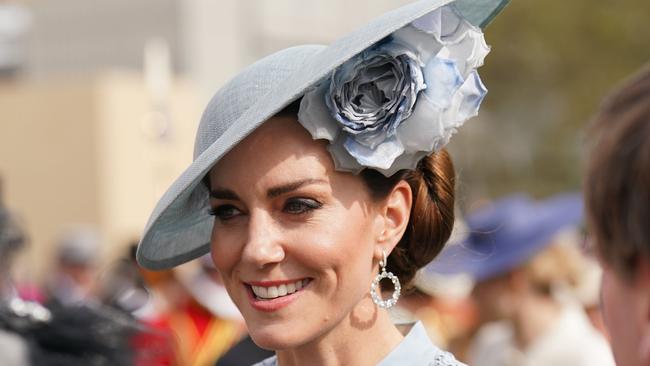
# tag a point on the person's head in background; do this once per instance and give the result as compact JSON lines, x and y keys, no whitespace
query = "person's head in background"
{"x":535,"y":258}
{"x":532,"y":285}
{"x":12,"y":240}
{"x":525,"y":258}
{"x":519,"y":252}
{"x":617,"y":198}
{"x":77,"y":255}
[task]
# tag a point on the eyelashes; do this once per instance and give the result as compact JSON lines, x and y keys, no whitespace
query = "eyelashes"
{"x":297,"y":206}
{"x":224,"y":212}
{"x":293,"y":206}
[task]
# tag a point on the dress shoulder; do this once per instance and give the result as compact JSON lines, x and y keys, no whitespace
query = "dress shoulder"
{"x":442,"y":359}
{"x":415,"y":349}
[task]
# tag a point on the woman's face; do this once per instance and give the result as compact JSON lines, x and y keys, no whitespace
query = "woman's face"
{"x":293,"y":239}
{"x":493,"y":298}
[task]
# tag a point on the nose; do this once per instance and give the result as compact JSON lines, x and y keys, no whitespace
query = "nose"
{"x":263,"y":246}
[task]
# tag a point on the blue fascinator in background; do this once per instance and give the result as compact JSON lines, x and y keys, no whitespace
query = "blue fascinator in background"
{"x":507,"y":233}
{"x":402,"y":98}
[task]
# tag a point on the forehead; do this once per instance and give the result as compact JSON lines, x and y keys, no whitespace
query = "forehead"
{"x":278,"y":151}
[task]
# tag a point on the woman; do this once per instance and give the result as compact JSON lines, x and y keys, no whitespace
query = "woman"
{"x":524,"y":258}
{"x":320,"y":171}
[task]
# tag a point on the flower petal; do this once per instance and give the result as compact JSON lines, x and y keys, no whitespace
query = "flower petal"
{"x":443,"y":80}
{"x":401,"y":99}
{"x":421,"y":42}
{"x":467,"y":101}
{"x":421,"y":131}
{"x":469,"y":52}
{"x":381,"y":157}
{"x":404,"y":161}
{"x":465,"y":105}
{"x":314,"y":115}
{"x":343,"y":161}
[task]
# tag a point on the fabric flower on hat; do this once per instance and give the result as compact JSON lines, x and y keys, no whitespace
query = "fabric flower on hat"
{"x":402,"y":98}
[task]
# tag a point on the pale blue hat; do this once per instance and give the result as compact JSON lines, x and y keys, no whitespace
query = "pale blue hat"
{"x":179,"y":227}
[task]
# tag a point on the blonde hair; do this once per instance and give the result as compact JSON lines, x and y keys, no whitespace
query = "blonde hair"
{"x":560,"y":264}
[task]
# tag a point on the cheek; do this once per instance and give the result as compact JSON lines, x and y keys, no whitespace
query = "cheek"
{"x":339,"y":243}
{"x":224,"y":250}
{"x":620,"y":313}
{"x":609,"y":298}
{"x":607,"y":295}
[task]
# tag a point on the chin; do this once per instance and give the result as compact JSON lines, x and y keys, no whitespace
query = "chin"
{"x":272,"y":338}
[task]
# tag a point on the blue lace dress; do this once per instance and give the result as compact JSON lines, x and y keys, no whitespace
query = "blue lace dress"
{"x":415,"y":349}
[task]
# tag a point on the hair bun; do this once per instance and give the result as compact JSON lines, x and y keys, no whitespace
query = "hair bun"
{"x":432,"y":215}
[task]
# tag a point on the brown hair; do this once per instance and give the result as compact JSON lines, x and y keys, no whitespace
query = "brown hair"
{"x":617,"y":182}
{"x":432,"y":212}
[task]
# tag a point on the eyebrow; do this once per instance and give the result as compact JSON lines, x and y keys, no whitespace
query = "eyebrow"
{"x":227,"y":194}
{"x":224,"y":194}
{"x":292,"y":186}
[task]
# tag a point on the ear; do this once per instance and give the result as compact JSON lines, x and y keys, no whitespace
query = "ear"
{"x":393,"y":217}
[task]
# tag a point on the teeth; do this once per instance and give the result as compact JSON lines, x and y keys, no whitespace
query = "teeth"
{"x":273,"y":292}
{"x":261,"y":292}
{"x":282,"y":290}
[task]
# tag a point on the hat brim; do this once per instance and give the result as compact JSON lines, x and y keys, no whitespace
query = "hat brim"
{"x":179,"y":227}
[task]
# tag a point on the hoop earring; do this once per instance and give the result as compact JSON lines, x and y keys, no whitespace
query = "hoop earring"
{"x":376,"y":297}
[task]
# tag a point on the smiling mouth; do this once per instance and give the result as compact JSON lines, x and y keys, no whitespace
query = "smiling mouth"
{"x":274,"y":292}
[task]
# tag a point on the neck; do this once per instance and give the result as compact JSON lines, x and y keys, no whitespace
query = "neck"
{"x":535,"y":315}
{"x":364,"y":337}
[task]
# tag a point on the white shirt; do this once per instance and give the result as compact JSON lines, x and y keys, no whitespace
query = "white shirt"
{"x":571,"y":341}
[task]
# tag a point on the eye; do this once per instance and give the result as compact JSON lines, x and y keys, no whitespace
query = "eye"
{"x":297,"y":206}
{"x":225,"y":212}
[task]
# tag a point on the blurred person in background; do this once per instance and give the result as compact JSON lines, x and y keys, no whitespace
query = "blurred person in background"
{"x":34,"y":335}
{"x":524,"y":257}
{"x":443,"y":305}
{"x":587,"y":289}
{"x":190,"y":307}
{"x":122,"y":286}
{"x":224,"y":325}
{"x":75,"y":275}
{"x":13,"y":347}
{"x":12,"y":240}
{"x":617,"y":196}
{"x":15,"y":26}
{"x":441,"y":302}
{"x":158,"y":345}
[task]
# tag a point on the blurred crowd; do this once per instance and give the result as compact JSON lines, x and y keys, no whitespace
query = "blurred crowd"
{"x":531,"y":287}
{"x":517,"y":284}
{"x":85,"y":314}
{"x":516,"y":277}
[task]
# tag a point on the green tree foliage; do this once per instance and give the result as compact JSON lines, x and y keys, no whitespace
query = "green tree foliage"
{"x":551,"y":64}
